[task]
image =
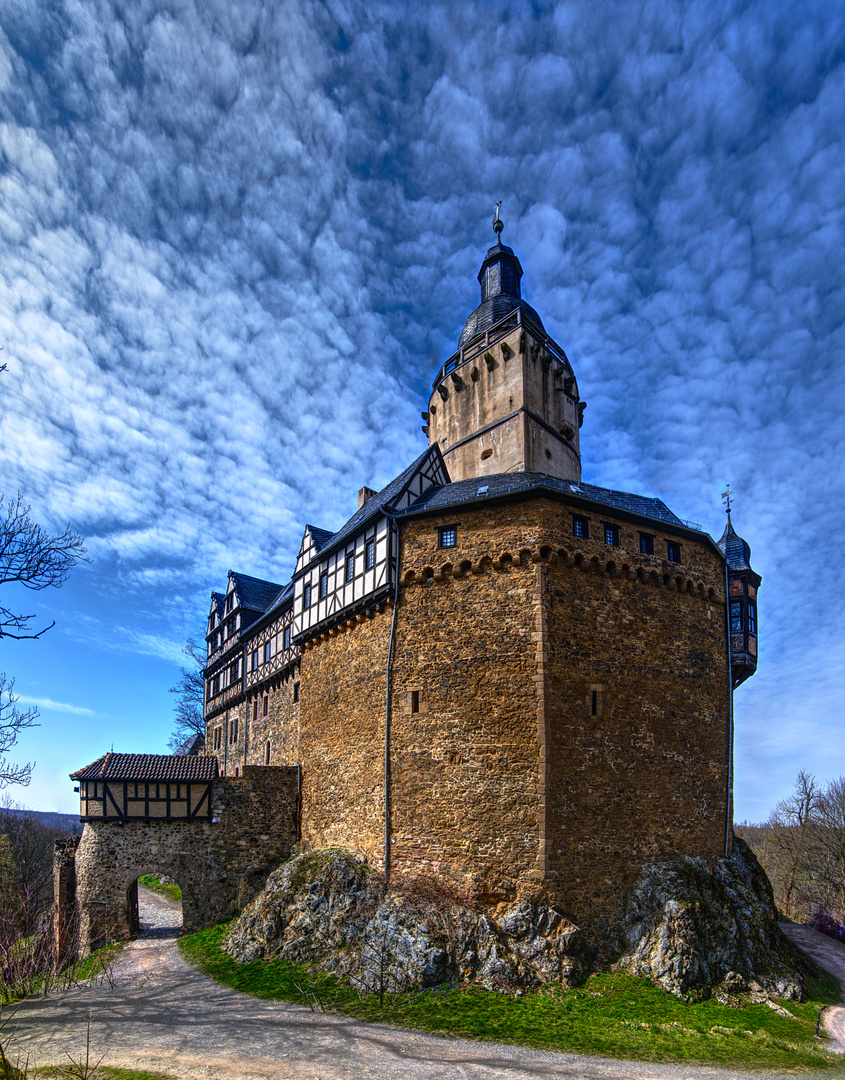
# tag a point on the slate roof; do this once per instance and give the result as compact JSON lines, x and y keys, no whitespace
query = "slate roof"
{"x":284,"y":594}
{"x":737,"y":551}
{"x":480,"y":488}
{"x":254,"y":593}
{"x":378,"y":502}
{"x":319,"y":536}
{"x":149,"y":767}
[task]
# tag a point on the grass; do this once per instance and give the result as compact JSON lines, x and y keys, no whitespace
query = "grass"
{"x":154,"y":884}
{"x":612,"y":1015}
{"x":92,"y":967}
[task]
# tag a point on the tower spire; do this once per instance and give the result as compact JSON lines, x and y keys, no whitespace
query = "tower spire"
{"x":498,"y":224}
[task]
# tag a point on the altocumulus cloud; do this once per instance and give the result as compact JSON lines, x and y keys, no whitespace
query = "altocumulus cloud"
{"x":236,"y":242}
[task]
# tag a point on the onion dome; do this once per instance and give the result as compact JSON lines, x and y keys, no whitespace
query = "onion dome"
{"x":499,"y":276}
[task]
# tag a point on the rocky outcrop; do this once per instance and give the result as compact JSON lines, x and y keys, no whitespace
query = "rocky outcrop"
{"x":325,"y":909}
{"x":691,"y":931}
{"x":695,"y":933}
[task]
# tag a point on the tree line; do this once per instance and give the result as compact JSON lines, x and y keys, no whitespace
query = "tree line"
{"x":802,"y":849}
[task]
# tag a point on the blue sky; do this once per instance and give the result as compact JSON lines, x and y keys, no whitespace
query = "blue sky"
{"x":237,"y":240}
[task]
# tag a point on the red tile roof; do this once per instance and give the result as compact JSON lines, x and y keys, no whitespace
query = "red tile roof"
{"x":149,"y":767}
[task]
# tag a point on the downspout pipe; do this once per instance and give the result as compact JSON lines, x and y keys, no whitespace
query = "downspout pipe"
{"x":729,"y":801}
{"x":388,"y":672}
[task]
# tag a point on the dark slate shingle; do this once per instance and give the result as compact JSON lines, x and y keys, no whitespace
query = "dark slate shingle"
{"x":253,"y":593}
{"x":480,"y":488}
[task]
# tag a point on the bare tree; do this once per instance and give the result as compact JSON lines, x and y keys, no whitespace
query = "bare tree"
{"x":34,"y":558}
{"x":189,"y":691}
{"x":12,"y":721}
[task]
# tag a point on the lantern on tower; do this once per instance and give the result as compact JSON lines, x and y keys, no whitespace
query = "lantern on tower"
{"x":743,"y":584}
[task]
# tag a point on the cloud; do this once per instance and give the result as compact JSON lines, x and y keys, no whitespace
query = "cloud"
{"x":237,"y":241}
{"x":54,"y":706}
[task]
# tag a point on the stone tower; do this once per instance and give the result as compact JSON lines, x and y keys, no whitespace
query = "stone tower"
{"x":507,"y":401}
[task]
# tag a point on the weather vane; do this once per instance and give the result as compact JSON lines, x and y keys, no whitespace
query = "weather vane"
{"x":727,"y":495}
{"x":498,"y":224}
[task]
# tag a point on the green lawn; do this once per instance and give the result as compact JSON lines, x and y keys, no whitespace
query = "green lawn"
{"x":154,"y":884}
{"x":612,"y":1015}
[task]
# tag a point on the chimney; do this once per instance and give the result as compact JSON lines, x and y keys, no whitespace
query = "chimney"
{"x":364,"y":494}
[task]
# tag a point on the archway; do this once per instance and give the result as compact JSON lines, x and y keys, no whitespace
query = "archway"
{"x":154,"y":905}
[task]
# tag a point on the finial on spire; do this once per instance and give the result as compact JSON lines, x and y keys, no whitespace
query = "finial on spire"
{"x":498,"y":224}
{"x":727,"y":495}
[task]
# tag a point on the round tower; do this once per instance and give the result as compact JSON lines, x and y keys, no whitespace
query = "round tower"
{"x":743,"y":584}
{"x":507,"y":400}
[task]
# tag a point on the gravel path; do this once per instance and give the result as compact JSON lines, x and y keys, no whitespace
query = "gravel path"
{"x":830,"y":955}
{"x":162,"y":1014}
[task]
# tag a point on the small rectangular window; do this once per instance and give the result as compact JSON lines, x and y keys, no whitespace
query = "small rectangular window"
{"x":447,"y":536}
{"x":580,"y":527}
{"x":370,"y":555}
{"x":673,"y":551}
{"x":296,"y":691}
{"x":350,"y":566}
{"x":266,"y":705}
{"x":254,"y":659}
{"x":752,"y":619}
{"x":594,"y":703}
{"x":230,"y":600}
{"x":415,"y":701}
{"x":287,"y":637}
{"x":306,"y":596}
{"x":266,"y":652}
{"x":611,"y":535}
{"x":646,"y":544}
{"x":324,"y":584}
{"x":255,"y":710}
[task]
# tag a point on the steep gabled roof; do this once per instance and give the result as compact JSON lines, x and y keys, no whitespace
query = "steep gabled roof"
{"x":479,"y":488}
{"x":149,"y":767}
{"x":383,"y":501}
{"x":253,"y":593}
{"x":319,"y":536}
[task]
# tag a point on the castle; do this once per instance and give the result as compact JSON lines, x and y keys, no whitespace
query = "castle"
{"x":493,"y":672}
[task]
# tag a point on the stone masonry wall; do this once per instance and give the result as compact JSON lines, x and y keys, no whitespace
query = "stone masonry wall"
{"x":505,"y":638}
{"x":218,"y":864}
{"x":463,"y":767}
{"x":637,"y":713}
{"x":341,"y":737}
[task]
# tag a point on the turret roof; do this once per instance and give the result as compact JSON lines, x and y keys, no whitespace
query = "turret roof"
{"x":737,"y":551}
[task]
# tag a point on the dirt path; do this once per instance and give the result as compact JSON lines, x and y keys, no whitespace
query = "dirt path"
{"x":830,"y":955}
{"x":162,"y":1014}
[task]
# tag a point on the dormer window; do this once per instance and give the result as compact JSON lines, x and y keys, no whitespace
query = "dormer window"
{"x":230,"y":602}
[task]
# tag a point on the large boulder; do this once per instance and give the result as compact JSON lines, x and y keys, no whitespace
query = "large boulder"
{"x":327,"y":910}
{"x":694,"y":932}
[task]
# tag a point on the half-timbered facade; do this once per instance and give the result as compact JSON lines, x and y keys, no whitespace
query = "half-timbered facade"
{"x":146,"y":787}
